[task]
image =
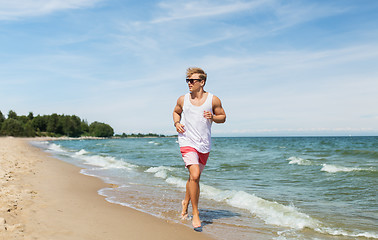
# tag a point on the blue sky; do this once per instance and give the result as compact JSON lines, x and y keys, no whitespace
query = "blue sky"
{"x":279,"y":67}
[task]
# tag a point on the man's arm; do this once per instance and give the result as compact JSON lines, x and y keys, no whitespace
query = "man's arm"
{"x":219,"y":113}
{"x":177,"y":115}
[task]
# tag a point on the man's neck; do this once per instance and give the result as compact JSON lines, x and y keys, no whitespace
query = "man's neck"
{"x":197,"y":94}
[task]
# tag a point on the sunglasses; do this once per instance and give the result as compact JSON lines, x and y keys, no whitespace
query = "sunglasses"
{"x":192,"y":80}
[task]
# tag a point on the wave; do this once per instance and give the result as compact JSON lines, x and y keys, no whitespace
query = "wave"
{"x":155,"y":143}
{"x":160,"y":172}
{"x":105,"y":162}
{"x":342,"y":232}
{"x":335,"y":168}
{"x":270,"y":212}
{"x":327,"y":167}
{"x":81,"y":152}
{"x":55,"y":147}
{"x":299,"y":161}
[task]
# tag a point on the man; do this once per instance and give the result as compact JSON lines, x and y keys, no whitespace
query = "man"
{"x":193,"y":116}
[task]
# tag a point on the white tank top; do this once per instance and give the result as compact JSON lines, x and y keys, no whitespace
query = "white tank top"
{"x":197,"y":128}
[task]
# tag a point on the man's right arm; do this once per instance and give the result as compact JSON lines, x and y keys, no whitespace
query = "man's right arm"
{"x":177,"y":115}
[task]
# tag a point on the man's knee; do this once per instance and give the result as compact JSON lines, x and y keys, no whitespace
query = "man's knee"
{"x":194,"y":178}
{"x":194,"y":173}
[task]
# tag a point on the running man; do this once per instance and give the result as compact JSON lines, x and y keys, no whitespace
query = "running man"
{"x":193,"y":116}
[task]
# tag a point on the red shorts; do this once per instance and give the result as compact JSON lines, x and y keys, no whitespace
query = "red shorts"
{"x":192,"y":156}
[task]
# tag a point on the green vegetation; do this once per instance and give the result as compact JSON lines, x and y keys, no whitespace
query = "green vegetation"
{"x":98,"y":129}
{"x":53,"y":125}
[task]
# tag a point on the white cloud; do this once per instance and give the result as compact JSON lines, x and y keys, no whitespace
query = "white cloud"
{"x":196,"y":9}
{"x":278,"y":62}
{"x":12,"y":10}
{"x":289,"y":14}
{"x":266,"y":18}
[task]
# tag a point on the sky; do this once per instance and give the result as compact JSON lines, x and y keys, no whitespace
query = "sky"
{"x":280,"y":68}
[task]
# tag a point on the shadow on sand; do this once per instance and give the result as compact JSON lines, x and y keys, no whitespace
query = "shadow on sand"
{"x":208,"y":216}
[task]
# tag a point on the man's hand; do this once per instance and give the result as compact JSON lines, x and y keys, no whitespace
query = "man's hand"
{"x":208,"y":115}
{"x":180,"y":128}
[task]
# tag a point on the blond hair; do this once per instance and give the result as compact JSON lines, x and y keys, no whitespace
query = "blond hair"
{"x":192,"y":70}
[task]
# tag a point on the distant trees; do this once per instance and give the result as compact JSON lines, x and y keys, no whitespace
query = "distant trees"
{"x":12,"y":127}
{"x":140,"y":135}
{"x":12,"y":114}
{"x":98,"y":129}
{"x":2,"y":119}
{"x":54,"y":125}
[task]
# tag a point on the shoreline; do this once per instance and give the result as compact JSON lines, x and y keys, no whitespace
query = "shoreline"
{"x":42,"y":197}
{"x":80,"y":138}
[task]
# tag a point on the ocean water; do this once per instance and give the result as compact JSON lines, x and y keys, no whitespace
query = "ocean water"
{"x":252,"y":188}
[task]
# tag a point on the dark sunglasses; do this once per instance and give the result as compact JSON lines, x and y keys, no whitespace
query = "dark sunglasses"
{"x":192,"y":80}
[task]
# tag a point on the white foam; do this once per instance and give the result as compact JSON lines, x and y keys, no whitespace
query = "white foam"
{"x":56,"y":148}
{"x":81,"y":152}
{"x":155,"y":143}
{"x":341,"y":232}
{"x":160,"y":168}
{"x":270,"y":212}
{"x":105,"y":162}
{"x":160,"y":172}
{"x":176,"y":181}
{"x":299,"y":161}
{"x":163,"y":172}
{"x":334,"y":168}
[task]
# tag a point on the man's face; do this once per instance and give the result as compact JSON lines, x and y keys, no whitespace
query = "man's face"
{"x":196,"y":84}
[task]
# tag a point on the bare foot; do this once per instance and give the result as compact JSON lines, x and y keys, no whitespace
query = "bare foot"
{"x":196,"y":221}
{"x":184,"y":212}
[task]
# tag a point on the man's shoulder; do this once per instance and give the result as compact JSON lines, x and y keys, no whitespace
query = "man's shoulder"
{"x":180,"y":100}
{"x":216,"y":99}
{"x":182,"y":97}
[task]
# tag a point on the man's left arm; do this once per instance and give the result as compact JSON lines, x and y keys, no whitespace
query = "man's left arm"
{"x":219,"y":115}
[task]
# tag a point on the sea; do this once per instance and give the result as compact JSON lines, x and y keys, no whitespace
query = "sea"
{"x":252,"y":187}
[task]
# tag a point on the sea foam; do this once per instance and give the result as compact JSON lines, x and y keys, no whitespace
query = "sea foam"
{"x":55,"y":148}
{"x":160,"y":171}
{"x":342,"y":232}
{"x":102,"y":161}
{"x":269,"y":211}
{"x":299,"y":161}
{"x":334,"y":168}
{"x":81,"y":152}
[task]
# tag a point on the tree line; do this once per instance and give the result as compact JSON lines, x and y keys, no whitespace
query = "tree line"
{"x":139,"y":135}
{"x":53,"y":125}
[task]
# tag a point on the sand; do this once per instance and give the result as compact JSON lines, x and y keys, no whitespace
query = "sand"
{"x":44,"y":198}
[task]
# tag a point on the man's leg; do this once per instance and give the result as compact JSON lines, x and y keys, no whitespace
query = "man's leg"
{"x":186,"y":201}
{"x":194,"y":192}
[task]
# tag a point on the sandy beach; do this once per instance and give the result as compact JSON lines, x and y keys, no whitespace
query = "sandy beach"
{"x":44,"y":198}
